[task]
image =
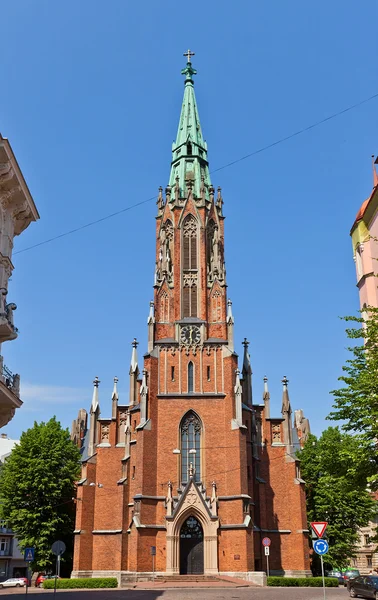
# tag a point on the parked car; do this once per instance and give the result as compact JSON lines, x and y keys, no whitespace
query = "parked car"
{"x":365,"y":586}
{"x":42,"y":577}
{"x":337,"y":574}
{"x":350,"y":574}
{"x":14,"y":582}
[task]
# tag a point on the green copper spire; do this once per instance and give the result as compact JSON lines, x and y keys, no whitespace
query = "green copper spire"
{"x":189,"y":151}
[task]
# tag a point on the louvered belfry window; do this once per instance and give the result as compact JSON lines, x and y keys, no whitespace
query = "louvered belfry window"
{"x":190,"y":267}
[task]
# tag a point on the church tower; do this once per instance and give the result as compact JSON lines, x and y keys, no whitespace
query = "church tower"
{"x":183,"y":469}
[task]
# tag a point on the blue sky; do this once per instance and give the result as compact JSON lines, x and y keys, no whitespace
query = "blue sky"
{"x":90,"y":101}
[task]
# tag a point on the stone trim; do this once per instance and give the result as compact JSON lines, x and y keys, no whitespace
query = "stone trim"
{"x":145,"y":425}
{"x":237,"y":497}
{"x":276,"y":530}
{"x":243,"y":525}
{"x":120,"y":445}
{"x":192,"y":396}
{"x":144,"y":497}
{"x":121,"y":481}
{"x":77,"y":531}
{"x":82,"y":481}
{"x":104,"y":445}
{"x":106,"y":531}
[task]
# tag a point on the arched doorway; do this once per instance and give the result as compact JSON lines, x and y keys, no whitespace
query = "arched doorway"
{"x":191,"y":547}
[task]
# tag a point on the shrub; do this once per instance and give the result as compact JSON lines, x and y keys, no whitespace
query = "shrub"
{"x":85,"y":582}
{"x":302,"y":581}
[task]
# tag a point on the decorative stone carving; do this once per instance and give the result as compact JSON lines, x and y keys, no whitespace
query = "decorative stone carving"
{"x":276,"y":434}
{"x":190,"y":227}
{"x":105,"y":430}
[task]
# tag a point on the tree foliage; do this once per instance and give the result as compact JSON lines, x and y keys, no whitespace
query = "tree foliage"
{"x":37,"y":490}
{"x":335,"y":468}
{"x":357,"y":402}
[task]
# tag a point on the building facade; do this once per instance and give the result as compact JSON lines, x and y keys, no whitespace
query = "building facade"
{"x":190,"y":468}
{"x":12,"y":562}
{"x":17,"y":211}
{"x":364,"y":234}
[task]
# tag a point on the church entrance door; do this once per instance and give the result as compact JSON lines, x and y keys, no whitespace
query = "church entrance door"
{"x":191,"y":547}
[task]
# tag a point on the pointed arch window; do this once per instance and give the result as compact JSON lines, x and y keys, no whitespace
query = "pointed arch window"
{"x":190,"y":377}
{"x":164,"y":307}
{"x":216,"y":305}
{"x":190,"y":432}
{"x":190,"y":267}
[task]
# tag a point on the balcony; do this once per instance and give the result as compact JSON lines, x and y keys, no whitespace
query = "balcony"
{"x":9,"y":393}
{"x":7,"y":329}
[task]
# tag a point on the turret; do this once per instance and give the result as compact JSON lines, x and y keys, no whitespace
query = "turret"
{"x":266,"y":398}
{"x":115,"y":399}
{"x":151,"y":327}
{"x":134,"y":372}
{"x":230,"y":326}
{"x":94,"y":415}
{"x":286,"y":413}
{"x":247,"y":375}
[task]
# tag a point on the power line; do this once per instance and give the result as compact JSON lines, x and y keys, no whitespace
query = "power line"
{"x":226,"y":166}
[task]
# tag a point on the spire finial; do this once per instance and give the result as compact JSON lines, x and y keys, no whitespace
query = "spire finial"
{"x":189,"y":71}
{"x":285,"y":381}
{"x":96,"y":381}
{"x":245,"y":344}
{"x":134,"y":355}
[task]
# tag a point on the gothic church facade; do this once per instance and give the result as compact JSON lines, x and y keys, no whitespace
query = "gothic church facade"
{"x":190,"y":468}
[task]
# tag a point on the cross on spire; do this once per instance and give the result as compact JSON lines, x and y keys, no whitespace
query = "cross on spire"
{"x":189,"y":55}
{"x":189,"y":71}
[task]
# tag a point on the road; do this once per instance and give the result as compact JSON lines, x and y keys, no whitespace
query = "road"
{"x":188,"y":594}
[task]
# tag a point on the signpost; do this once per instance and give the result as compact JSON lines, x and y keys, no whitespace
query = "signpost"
{"x":319,"y":528}
{"x":28,"y":557}
{"x":58,"y":548}
{"x":153,"y":554}
{"x":321,"y":547}
{"x":266,"y":543}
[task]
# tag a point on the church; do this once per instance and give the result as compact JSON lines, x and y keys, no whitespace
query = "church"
{"x":190,"y":474}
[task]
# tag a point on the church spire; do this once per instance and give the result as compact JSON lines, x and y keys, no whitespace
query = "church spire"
{"x":189,"y":151}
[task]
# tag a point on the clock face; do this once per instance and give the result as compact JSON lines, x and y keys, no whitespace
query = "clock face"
{"x":190,"y":334}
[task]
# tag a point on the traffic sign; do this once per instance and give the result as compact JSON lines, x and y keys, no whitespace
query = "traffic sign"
{"x":29,"y":554}
{"x":319,"y":527}
{"x":58,"y":548}
{"x":321,"y":547}
{"x":153,"y":550}
{"x":266,"y":541}
{"x":266,"y":548}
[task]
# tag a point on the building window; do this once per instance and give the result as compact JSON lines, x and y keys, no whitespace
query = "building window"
{"x":172,"y":373}
{"x":133,"y":472}
{"x":3,"y":545}
{"x":208,"y":373}
{"x":190,"y":431}
{"x":369,"y":560}
{"x":190,"y":275}
{"x":190,"y":377}
{"x":359,"y":261}
{"x":366,"y":539}
{"x":189,"y":149}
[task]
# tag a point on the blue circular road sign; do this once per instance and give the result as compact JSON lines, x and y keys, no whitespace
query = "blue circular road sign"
{"x":321,"y":547}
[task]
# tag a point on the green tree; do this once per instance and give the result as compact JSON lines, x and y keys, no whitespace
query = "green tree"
{"x":357,"y":402}
{"x":37,"y":490}
{"x":335,"y":468}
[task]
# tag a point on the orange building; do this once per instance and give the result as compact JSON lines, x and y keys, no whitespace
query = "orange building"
{"x":190,"y":468}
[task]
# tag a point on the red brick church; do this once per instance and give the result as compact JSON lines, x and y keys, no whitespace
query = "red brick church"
{"x":190,"y":467}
